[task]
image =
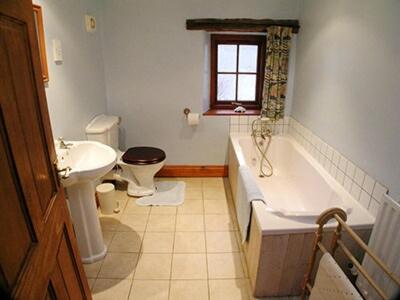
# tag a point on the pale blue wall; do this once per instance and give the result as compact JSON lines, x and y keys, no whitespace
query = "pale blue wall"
{"x":76,"y":90}
{"x":347,"y":81}
{"x":155,"y":68}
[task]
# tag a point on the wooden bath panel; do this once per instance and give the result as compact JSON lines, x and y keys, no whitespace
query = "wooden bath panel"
{"x":277,"y":263}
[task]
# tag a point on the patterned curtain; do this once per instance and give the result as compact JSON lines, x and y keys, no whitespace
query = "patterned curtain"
{"x":276,"y":72}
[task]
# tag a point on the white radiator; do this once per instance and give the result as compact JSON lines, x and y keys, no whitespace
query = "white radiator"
{"x":385,"y":243}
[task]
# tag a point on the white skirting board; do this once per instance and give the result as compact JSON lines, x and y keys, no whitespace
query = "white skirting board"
{"x":385,"y":243}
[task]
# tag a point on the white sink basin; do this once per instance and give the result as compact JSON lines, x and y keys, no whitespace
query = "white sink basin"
{"x":79,"y":166}
{"x":88,"y":161}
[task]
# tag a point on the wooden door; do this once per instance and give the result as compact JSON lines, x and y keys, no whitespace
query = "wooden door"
{"x":39,"y":257}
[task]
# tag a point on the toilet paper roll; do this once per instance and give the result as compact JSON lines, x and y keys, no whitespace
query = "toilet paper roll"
{"x":193,"y":119}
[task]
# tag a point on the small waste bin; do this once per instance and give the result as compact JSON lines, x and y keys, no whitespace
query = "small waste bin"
{"x":106,"y":194}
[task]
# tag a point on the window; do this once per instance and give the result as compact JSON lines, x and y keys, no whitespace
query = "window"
{"x":237,"y":71}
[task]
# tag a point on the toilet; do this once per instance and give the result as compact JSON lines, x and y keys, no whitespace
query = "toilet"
{"x":138,"y":165}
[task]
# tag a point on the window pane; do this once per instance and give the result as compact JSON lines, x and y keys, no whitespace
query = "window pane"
{"x":248,"y":58}
{"x":227,"y":58}
{"x":247,"y":87}
{"x":226,"y":90}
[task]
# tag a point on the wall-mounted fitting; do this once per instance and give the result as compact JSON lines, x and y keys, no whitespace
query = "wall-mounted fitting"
{"x":186,"y":111}
{"x":90,"y":23}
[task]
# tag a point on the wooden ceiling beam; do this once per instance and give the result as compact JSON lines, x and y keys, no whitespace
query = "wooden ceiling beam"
{"x":239,"y":25}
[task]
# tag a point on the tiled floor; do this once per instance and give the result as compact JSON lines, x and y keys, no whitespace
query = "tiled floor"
{"x":185,"y":252}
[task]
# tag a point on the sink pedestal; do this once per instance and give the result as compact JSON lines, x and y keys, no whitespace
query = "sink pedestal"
{"x":86,"y":221}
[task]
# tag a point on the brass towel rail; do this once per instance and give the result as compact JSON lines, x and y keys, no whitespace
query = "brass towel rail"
{"x":340,"y":216}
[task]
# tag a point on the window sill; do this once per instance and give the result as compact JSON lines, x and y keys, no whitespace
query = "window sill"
{"x":230,"y":112}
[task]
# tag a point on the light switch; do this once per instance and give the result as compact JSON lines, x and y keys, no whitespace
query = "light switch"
{"x":57,"y":51}
{"x":90,"y":22}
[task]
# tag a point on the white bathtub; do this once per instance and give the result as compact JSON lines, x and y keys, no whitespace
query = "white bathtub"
{"x":298,"y":191}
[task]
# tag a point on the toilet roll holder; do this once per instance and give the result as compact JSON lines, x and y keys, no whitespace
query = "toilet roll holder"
{"x":191,"y":120}
{"x":186,"y":111}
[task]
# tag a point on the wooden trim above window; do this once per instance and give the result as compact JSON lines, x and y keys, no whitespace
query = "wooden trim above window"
{"x":240,"y":25}
{"x":235,"y":39}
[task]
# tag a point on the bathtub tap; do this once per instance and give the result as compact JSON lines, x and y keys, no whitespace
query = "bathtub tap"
{"x":263,"y":132}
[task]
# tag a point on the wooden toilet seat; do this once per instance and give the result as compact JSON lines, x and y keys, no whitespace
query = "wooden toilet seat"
{"x":143,"y":156}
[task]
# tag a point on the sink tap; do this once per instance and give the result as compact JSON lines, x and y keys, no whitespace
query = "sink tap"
{"x":63,"y":144}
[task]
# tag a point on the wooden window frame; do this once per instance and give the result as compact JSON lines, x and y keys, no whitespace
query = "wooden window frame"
{"x":236,"y":39}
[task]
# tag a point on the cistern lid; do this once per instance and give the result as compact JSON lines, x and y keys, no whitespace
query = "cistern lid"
{"x":102,"y":123}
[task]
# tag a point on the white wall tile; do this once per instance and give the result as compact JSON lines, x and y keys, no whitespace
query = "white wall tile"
{"x":243,"y":127}
{"x":359,"y":176}
{"x":234,"y":128}
{"x":355,"y":191}
{"x":343,"y":163}
{"x":350,"y":169}
{"x":365,"y":199}
{"x":374,"y":207}
{"x":329,"y":152}
{"x":243,"y":120}
{"x":252,"y":118}
{"x":333,"y":170}
{"x":340,"y":176}
{"x":347,"y":183}
{"x":368,"y":184}
{"x":378,"y":192}
{"x":360,"y":185}
{"x":234,"y":119}
{"x":336,"y":158}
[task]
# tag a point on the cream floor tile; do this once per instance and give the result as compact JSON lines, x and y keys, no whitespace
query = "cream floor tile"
{"x":109,"y":223}
{"x":118,"y":265}
{"x":189,"y":266}
{"x":192,"y":182}
{"x":121,"y":205}
{"x":189,"y":289}
{"x":214,"y":194}
{"x":91,"y":282}
{"x":160,"y":223}
{"x":191,"y":207}
{"x":92,"y":270}
{"x":221,"y":241}
{"x":163,"y":210}
{"x":219,"y":223}
{"x":158,"y":242}
{"x":193,"y":194}
{"x":189,"y":242}
{"x":107,"y":237}
{"x":190,"y":223}
{"x":213,"y":182}
{"x":154,"y":266}
{"x":120,"y":195}
{"x":231,"y":289}
{"x":133,"y":208}
{"x":149,"y":290}
{"x":133,"y":223}
{"x":121,"y":198}
{"x":224,"y":265}
{"x":116,"y":289}
{"x":129,"y":241}
{"x":216,"y":207}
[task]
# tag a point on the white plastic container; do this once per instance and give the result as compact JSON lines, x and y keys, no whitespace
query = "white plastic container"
{"x":106,"y":194}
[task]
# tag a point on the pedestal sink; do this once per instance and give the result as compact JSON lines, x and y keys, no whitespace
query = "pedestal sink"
{"x":80,"y":164}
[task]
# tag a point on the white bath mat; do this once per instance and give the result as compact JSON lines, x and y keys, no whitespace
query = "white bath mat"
{"x":168,"y":193}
